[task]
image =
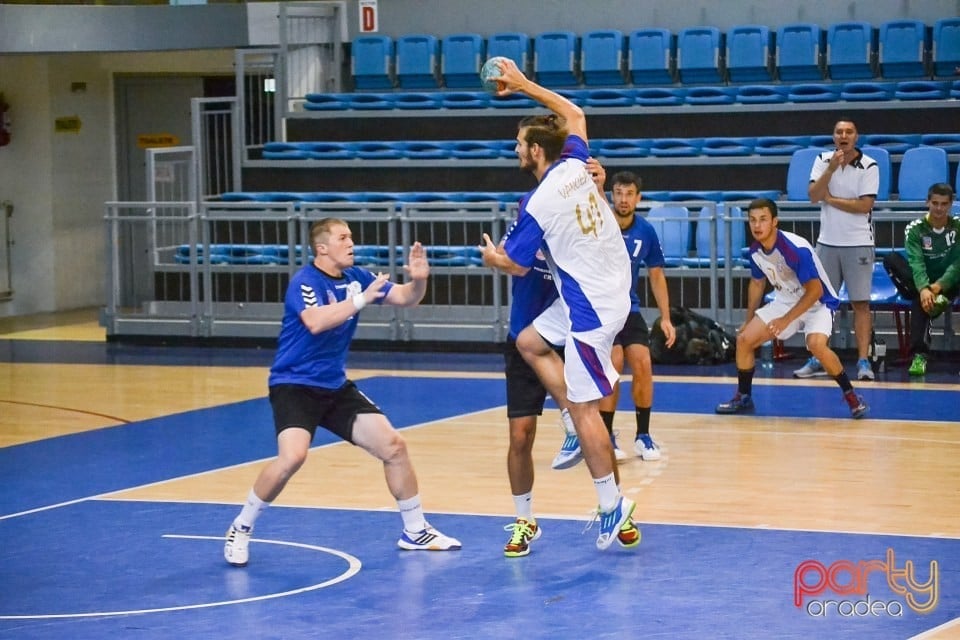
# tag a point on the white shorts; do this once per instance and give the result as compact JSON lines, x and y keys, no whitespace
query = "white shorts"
{"x":587,"y":366}
{"x":817,"y":319}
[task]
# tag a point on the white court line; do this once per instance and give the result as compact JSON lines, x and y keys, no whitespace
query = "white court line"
{"x":353,"y":567}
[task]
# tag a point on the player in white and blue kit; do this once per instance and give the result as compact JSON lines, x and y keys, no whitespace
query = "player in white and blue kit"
{"x":309,"y":386}
{"x":804,"y":300}
{"x":568,"y":219}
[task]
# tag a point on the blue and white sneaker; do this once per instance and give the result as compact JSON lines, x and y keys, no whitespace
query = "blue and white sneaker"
{"x":429,"y":539}
{"x":646,"y":448}
{"x":612,"y":521}
{"x":737,"y":404}
{"x":236,"y":548}
{"x":618,"y":453}
{"x":864,"y":370}
{"x":570,"y":454}
{"x":811,"y":369}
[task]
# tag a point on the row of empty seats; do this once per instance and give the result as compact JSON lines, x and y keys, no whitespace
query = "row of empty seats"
{"x":502,"y":197}
{"x":920,"y":167}
{"x":702,"y":54}
{"x":800,"y":92}
{"x":280,"y":254}
{"x":599,"y":147}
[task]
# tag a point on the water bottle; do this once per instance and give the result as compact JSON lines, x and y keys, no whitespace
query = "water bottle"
{"x":878,"y":355}
{"x":766,"y":355}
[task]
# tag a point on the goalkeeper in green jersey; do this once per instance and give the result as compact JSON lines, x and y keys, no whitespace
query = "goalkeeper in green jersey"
{"x":930,"y":274}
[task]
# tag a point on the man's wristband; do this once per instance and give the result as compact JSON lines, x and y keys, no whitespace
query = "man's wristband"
{"x":359,"y":301}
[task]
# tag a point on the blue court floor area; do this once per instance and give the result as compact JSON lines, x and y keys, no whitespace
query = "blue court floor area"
{"x":155,"y":570}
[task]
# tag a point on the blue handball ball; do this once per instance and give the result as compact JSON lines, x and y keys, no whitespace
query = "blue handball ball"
{"x":490,"y":72}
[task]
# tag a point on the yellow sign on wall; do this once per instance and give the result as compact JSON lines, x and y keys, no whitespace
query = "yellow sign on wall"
{"x":67,"y":124}
{"x":151,"y":140}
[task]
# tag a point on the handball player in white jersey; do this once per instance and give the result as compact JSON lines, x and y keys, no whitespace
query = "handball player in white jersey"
{"x":803,"y":300}
{"x":568,"y":219}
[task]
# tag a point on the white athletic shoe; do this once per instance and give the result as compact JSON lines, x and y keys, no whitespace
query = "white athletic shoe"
{"x":619,"y":453}
{"x":646,"y":448}
{"x":236,"y":549}
{"x":429,"y":539}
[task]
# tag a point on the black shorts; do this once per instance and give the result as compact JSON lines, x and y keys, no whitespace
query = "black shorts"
{"x":634,"y":331}
{"x":525,"y":393}
{"x":297,"y":405}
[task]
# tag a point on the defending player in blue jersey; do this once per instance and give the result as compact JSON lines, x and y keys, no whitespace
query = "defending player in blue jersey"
{"x":803,"y":300}
{"x":309,"y":386}
{"x":568,"y":220}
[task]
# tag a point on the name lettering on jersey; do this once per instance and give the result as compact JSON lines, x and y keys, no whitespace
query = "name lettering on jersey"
{"x":588,"y":216}
{"x":309,"y":295}
{"x":566,"y":190}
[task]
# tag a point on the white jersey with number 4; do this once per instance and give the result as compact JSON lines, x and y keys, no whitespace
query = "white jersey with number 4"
{"x":568,"y":217}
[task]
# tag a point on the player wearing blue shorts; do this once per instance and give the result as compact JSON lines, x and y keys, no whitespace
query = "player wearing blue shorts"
{"x":568,"y":219}
{"x":309,"y":386}
{"x":804,"y":300}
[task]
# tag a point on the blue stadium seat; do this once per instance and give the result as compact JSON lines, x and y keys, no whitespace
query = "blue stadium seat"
{"x":622,"y":147}
{"x":954,"y":89}
{"x":698,"y":55}
{"x":780,"y":145}
{"x":866,"y":91}
{"x":659,"y":96}
{"x":748,"y":53}
{"x":675,"y":147}
{"x":464,"y":100}
{"x":330,"y":151}
{"x":651,"y":55}
{"x":376,"y":150}
{"x":601,"y":58}
{"x":799,"y":52}
{"x":901,"y":48}
{"x":365,"y":101}
{"x":945,"y":52}
{"x":761,"y":94}
{"x":882,"y":156}
{"x":475,"y":149}
{"x":949,"y":142}
{"x":556,"y":55}
{"x":892,"y":142}
{"x":703,"y":241}
{"x":510,"y":44}
{"x":609,"y":98}
{"x":822,"y":140}
{"x":426,"y":149}
{"x":371,"y":62}
{"x":326,"y":196}
{"x":284,"y":151}
{"x":461,"y":56}
{"x":882,"y":290}
{"x":417,"y":61}
{"x":920,"y":168}
{"x":672,"y":224}
{"x":512,"y":101}
{"x":417,"y":100}
{"x":710,"y":95}
{"x":326,"y":102}
{"x":798,"y":174}
{"x":850,"y":47}
{"x":921,"y":90}
{"x":718,"y":146}
{"x":806,"y":92}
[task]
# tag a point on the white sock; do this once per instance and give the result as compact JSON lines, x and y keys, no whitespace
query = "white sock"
{"x":250,"y":512}
{"x":567,"y":422}
{"x":524,"y":505}
{"x":412,"y":513}
{"x":607,"y":492}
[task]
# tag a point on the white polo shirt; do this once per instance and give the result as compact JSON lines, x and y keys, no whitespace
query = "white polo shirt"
{"x":858,"y":178}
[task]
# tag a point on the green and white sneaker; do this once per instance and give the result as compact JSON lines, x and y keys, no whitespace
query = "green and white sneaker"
{"x":919,"y":365}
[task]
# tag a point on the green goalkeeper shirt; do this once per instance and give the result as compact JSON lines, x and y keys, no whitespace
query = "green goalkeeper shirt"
{"x":934,"y":255}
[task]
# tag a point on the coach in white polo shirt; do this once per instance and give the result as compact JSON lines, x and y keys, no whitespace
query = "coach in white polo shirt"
{"x":845,"y":183}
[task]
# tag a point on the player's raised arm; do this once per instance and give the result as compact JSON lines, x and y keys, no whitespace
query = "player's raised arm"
{"x":514,"y":81}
